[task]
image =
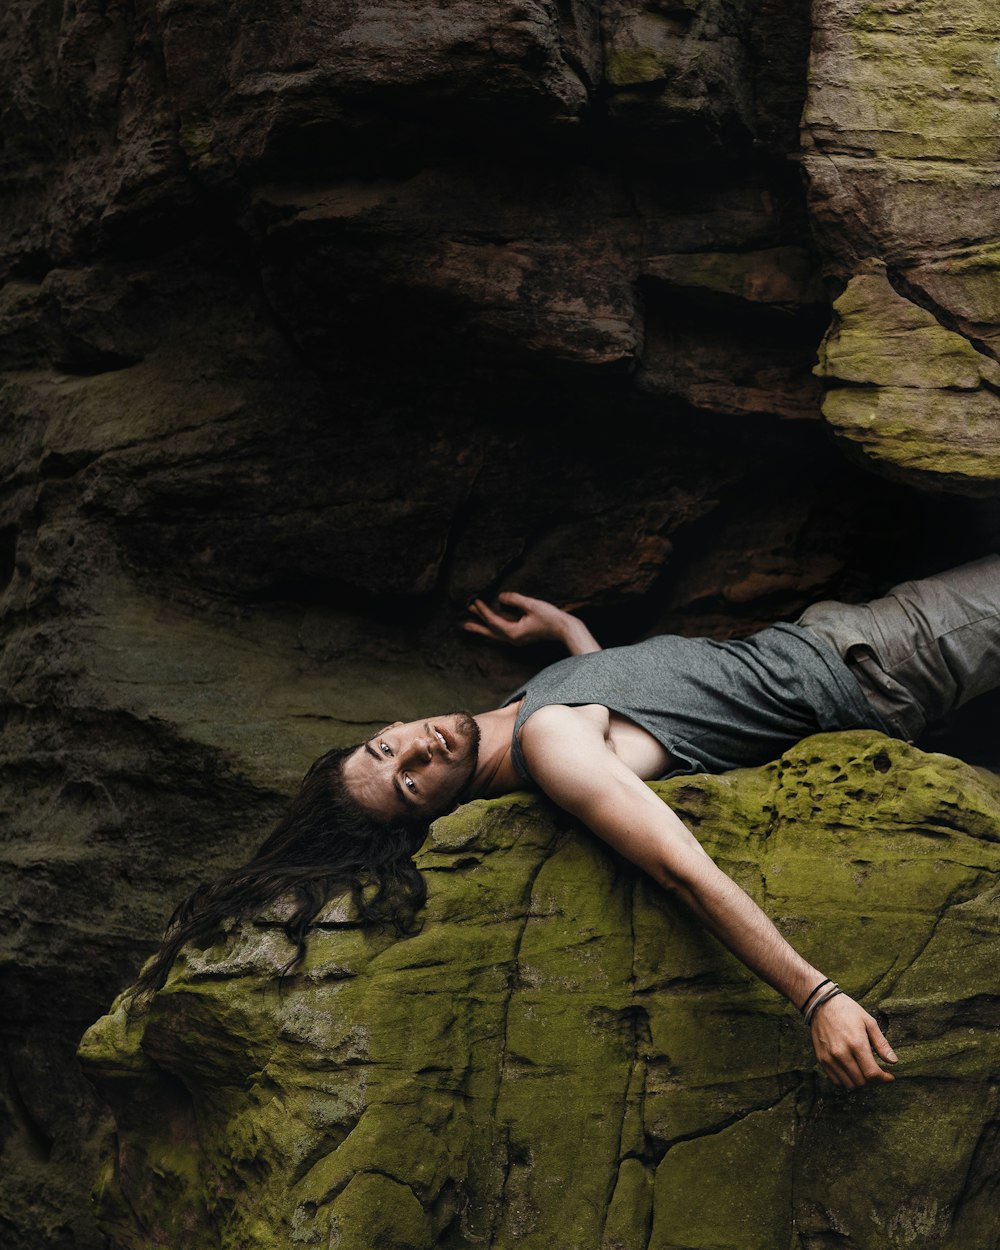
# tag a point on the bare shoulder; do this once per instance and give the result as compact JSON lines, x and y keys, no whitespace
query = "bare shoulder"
{"x":557,"y":724}
{"x":591,"y":733}
{"x":568,"y":754}
{"x":566,"y":745}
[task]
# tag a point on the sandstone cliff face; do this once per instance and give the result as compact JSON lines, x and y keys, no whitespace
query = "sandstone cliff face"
{"x":901,"y":151}
{"x":562,"y":1059}
{"x":316,"y":321}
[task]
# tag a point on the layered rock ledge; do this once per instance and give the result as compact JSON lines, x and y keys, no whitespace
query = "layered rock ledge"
{"x":561,"y":1057}
{"x":900,"y":148}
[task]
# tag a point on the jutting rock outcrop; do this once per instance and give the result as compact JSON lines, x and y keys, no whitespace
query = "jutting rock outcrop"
{"x":934,"y":411}
{"x":902,"y":153}
{"x":560,"y":1057}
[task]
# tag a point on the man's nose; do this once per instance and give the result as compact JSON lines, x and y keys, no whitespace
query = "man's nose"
{"x":418,"y":751}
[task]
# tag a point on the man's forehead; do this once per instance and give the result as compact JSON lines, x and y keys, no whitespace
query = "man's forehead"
{"x":363,"y":777}
{"x":369,"y":784}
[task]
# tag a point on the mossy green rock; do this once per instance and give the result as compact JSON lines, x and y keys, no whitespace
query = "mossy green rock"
{"x":561,"y":1058}
{"x":899,"y":128}
{"x":899,"y":136}
{"x":914,"y":396}
{"x":781,"y":277}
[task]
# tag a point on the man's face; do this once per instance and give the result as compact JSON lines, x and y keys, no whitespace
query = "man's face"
{"x":415,"y":770}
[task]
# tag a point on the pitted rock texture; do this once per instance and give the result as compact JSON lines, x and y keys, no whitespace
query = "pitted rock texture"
{"x":560,"y":1057}
{"x":903,"y":162}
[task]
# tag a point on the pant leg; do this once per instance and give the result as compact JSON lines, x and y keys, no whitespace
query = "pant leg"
{"x":923,"y":649}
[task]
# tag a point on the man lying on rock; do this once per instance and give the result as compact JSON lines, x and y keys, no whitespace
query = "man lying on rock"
{"x":591,"y":729}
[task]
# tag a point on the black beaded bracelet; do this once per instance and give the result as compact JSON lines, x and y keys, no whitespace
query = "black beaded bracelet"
{"x":813,"y":994}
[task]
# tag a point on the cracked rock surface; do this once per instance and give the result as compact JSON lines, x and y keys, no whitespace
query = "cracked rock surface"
{"x":561,"y":1057}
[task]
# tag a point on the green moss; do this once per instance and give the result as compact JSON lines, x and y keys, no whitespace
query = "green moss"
{"x":560,"y":1044}
{"x":630,"y":1209}
{"x":782,"y":276}
{"x":880,"y":338}
{"x":984,"y":259}
{"x":378,"y":1213}
{"x":916,"y":397}
{"x":196,"y":136}
{"x":921,"y":81}
{"x":629,"y":67}
{"x":722,"y":1188}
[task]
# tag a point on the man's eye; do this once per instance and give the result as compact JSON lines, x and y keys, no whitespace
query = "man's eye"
{"x":409,"y":783}
{"x":384,"y":748}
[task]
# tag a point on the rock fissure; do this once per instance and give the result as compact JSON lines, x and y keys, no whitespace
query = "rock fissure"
{"x":631,"y":1100}
{"x":981,"y":1175}
{"x":713,"y":1130}
{"x":503,"y":1039}
{"x":912,"y":959}
{"x":910,"y":289}
{"x":461,"y":520}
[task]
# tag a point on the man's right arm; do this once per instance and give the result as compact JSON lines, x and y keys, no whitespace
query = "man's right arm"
{"x":570,"y":760}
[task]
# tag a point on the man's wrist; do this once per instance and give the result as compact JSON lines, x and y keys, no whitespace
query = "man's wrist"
{"x":576,"y":637}
{"x":830,"y":990}
{"x":812,"y":994}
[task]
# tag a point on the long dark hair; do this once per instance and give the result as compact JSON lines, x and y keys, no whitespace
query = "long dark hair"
{"x":324,"y":844}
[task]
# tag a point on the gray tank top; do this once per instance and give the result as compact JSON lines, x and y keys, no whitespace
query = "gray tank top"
{"x":712,"y":705}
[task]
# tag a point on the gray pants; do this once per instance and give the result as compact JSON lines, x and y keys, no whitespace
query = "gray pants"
{"x":924,"y":649}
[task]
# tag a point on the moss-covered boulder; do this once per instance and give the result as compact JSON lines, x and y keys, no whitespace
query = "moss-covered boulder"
{"x":562,"y":1059}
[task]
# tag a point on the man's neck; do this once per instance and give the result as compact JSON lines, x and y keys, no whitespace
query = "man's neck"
{"x":495,"y":772}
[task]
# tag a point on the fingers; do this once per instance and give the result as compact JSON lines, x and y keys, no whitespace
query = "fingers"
{"x":496,"y":623}
{"x":474,"y":627}
{"x":845,"y":1036}
{"x":530,"y":620}
{"x":483,"y":610}
{"x":879,"y":1042}
{"x":490,"y":624}
{"x":855,"y":1071}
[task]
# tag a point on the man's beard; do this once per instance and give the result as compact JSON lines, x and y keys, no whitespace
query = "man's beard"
{"x":468,"y":727}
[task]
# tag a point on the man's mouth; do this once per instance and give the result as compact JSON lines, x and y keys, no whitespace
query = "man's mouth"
{"x":442,"y":738}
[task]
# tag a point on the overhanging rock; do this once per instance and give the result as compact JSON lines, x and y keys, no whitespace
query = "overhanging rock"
{"x":562,"y":1059}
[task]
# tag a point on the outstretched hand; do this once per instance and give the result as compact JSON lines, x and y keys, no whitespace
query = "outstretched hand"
{"x":535,"y":621}
{"x":846,"y":1040}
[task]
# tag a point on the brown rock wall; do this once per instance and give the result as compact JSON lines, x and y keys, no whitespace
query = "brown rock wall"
{"x":315,"y":322}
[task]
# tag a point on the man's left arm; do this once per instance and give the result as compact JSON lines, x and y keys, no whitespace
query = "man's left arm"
{"x":570,"y":760}
{"x":534,"y":620}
